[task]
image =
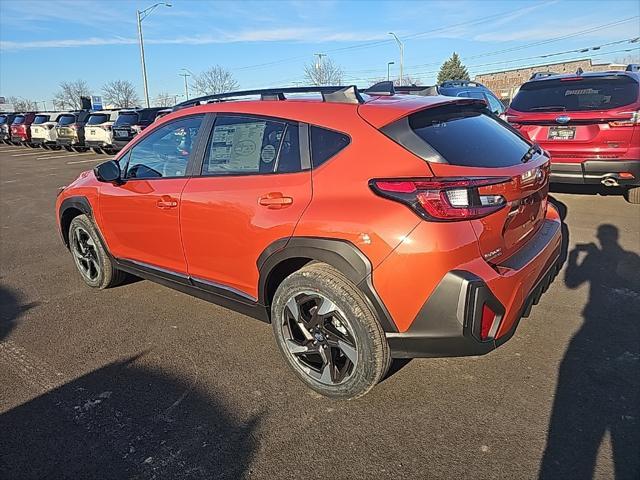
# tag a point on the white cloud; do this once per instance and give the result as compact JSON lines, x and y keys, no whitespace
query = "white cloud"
{"x":312,"y":35}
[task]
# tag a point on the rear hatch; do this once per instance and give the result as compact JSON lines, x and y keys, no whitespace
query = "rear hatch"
{"x":578,"y":117}
{"x":66,"y":126}
{"x":98,"y":128}
{"x":480,"y":161}
{"x":126,"y":126}
{"x":38,"y":127}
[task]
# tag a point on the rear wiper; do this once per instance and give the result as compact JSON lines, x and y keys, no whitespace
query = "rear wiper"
{"x":549,"y":108}
{"x":535,"y":148}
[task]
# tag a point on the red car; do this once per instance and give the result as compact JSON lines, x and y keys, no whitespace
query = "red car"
{"x":360,"y":226}
{"x":589,"y":122}
{"x":21,"y":128}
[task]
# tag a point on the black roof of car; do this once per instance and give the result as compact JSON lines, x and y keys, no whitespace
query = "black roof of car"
{"x":609,"y":73}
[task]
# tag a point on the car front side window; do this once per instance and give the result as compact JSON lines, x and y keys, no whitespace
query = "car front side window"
{"x":164,"y":152}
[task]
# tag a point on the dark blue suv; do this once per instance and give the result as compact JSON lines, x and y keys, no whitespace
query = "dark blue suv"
{"x":458,"y":88}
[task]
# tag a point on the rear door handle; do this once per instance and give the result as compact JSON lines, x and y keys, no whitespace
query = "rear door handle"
{"x":275,"y":201}
{"x":166,"y":202}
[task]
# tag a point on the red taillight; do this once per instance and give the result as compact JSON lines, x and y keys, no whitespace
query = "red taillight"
{"x":486,"y":323}
{"x":633,"y":119}
{"x":570,"y":79}
{"x":443,"y":199}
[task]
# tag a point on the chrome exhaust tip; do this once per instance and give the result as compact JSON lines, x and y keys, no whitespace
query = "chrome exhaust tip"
{"x":610,"y":181}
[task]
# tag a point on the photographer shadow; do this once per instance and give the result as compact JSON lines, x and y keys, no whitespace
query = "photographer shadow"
{"x":598,"y":388}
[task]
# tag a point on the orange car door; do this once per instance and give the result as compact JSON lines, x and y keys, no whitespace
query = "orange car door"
{"x":140,"y":216}
{"x":254,"y":185}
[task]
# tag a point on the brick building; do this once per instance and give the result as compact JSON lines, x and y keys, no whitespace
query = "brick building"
{"x":506,"y":83}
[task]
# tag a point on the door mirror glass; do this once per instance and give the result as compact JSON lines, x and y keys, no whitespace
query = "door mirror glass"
{"x":108,"y":171}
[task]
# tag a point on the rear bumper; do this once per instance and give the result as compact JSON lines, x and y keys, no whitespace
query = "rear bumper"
{"x":67,"y":141}
{"x":448,"y":323}
{"x":97,"y":144}
{"x":121,"y":143}
{"x":594,"y":171}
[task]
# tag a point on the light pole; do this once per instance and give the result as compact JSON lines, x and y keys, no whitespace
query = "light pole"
{"x":140,"y":16}
{"x":401,"y":46}
{"x":186,"y":85}
{"x":389,"y":70}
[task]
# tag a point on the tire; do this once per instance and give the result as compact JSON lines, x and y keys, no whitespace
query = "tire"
{"x":81,"y":149}
{"x":97,"y":150}
{"x":632,"y":195}
{"x":90,"y":257}
{"x":341,"y":353}
{"x":68,"y":148}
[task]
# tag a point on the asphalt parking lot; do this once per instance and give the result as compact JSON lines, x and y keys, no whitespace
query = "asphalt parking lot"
{"x":144,"y":382}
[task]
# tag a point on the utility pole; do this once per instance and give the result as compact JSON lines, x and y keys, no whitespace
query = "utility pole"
{"x":389,"y":70}
{"x":186,"y":85}
{"x":401,"y":46}
{"x":140,"y":16}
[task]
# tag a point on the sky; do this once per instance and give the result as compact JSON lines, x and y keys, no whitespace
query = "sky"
{"x":267,"y":43}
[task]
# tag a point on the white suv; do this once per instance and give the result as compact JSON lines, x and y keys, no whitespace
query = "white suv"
{"x":98,"y":133}
{"x":43,"y":131}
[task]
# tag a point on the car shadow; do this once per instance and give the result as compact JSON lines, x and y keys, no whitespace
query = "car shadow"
{"x":598,"y":388}
{"x":582,"y":189}
{"x":11,"y":308}
{"x":125,"y":421}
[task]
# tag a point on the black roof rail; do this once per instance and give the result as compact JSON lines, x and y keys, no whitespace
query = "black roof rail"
{"x":633,"y":67}
{"x":421,"y":90}
{"x":335,"y":94}
{"x":381,"y":88}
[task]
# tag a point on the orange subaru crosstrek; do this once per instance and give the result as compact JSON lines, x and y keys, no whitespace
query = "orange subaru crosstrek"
{"x":364,"y":226}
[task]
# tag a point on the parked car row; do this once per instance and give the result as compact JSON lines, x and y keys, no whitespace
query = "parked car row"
{"x":101,"y":130}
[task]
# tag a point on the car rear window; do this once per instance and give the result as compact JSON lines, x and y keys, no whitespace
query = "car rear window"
{"x":66,"y":119}
{"x":40,"y":119}
{"x":3,"y":119}
{"x":18,"y":120}
{"x":130,"y":118}
{"x":468,"y":135}
{"x":97,"y":118}
{"x":583,"y":94}
{"x":325,"y":144}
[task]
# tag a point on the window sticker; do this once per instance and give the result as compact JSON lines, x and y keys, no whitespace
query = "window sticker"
{"x":237,"y":147}
{"x":268,"y":153}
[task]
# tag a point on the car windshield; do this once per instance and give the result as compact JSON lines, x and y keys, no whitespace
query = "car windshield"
{"x":40,"y":119}
{"x":576,"y":94}
{"x":129,"y":118}
{"x":97,"y":118}
{"x":18,"y":120}
{"x":66,"y":119}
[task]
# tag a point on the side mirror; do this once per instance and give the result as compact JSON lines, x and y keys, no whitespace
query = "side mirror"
{"x":108,"y":172}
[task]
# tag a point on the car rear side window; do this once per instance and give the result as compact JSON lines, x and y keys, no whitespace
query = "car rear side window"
{"x":130,"y":118}
{"x":325,"y":144}
{"x":574,"y":95}
{"x":252,"y":145}
{"x":468,"y":135}
{"x":97,"y":119}
{"x":19,"y":119}
{"x":40,"y":119}
{"x":66,"y":119}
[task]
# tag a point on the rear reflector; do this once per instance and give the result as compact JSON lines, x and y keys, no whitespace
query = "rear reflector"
{"x":443,"y":199}
{"x":488,"y":318}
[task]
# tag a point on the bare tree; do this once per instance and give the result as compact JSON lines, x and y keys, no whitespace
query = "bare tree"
{"x":323,"y":72}
{"x":120,"y":94}
{"x":68,"y":97}
{"x":164,"y":100}
{"x":22,"y":104}
{"x":214,"y":80}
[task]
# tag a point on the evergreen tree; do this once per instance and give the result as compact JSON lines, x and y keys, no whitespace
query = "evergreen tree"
{"x":453,"y":69}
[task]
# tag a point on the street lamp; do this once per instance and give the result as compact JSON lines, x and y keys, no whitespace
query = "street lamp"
{"x":388,"y":69}
{"x":401,"y":46}
{"x":187,"y":73}
{"x":141,"y":15}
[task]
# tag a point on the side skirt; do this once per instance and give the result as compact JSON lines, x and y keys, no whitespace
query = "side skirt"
{"x":205,"y":290}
